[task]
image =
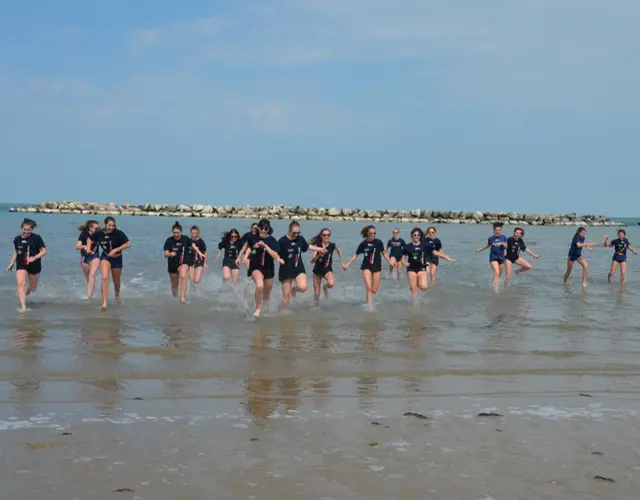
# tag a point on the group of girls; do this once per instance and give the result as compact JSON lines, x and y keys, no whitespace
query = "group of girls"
{"x":101,"y":249}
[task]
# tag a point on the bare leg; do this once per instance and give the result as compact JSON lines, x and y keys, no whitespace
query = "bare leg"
{"x":375,"y":282}
{"x":423,"y":280}
{"x":433,"y":271}
{"x":235,"y":274}
{"x":182,"y":273}
{"x":524,"y":266}
{"x":105,"y":271}
{"x":21,"y":281}
{"x":85,"y":269}
{"x":174,"y":278}
{"x":508,"y":267}
{"x":330,"y":283}
{"x":613,"y":269}
{"x":585,"y":271}
{"x":286,"y":293}
{"x":115,"y":276}
{"x":258,"y":279}
{"x":195,"y":274}
{"x":399,"y":267}
{"x":317,"y":282}
{"x":567,"y":273}
{"x":392,"y":260}
{"x":302,"y":284}
{"x":266,"y":294}
{"x":412,"y":278}
{"x":91,"y":279}
{"x":226,"y":273}
{"x":368,"y":284}
{"x":623,"y":272}
{"x":497,"y":271}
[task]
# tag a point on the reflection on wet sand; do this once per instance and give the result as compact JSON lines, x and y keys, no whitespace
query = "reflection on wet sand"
{"x":371,"y":329}
{"x":99,"y":352}
{"x":320,"y":346}
{"x":28,"y":338}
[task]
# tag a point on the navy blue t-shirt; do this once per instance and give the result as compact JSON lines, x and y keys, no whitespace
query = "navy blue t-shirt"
{"x":27,"y":247}
{"x":430,"y":245}
{"x":291,"y":251}
{"x":202,"y":246}
{"x":259,"y":257}
{"x":372,"y":254}
{"x":325,"y":261}
{"x":575,"y":250}
{"x":109,"y":241}
{"x":182,"y":248}
{"x":496,"y":249}
{"x":415,"y":253}
{"x":231,"y":250}
{"x":620,"y":246}
{"x":84,"y":236}
{"x":395,"y":248}
{"x":514,"y":247}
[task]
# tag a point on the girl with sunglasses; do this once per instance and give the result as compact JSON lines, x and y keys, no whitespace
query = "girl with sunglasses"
{"x":323,"y":263}
{"x":372,"y":250}
{"x":262,"y":251}
{"x":231,"y":244}
{"x":199,"y":256}
{"x":395,"y":247}
{"x":291,"y":246}
{"x":433,"y":252}
{"x":414,"y":260}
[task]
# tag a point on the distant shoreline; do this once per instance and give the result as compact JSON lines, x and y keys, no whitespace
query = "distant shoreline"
{"x":284,"y":212}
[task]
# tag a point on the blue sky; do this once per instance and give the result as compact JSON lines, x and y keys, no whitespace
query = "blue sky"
{"x":447,"y":104}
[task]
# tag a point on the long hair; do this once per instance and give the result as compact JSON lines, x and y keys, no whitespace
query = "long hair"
{"x":317,"y":239}
{"x":264,"y":223}
{"x":419,"y":231}
{"x":88,"y":224}
{"x":29,"y":222}
{"x":226,"y":236}
{"x":580,"y":229}
{"x":364,"y":232}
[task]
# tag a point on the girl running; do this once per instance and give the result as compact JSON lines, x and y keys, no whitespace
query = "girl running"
{"x":395,"y":248}
{"x":28,"y":250}
{"x":291,"y":246}
{"x":254,"y":231}
{"x":198,"y":256}
{"x":415,"y":261}
{"x":262,"y":251}
{"x":620,"y":246}
{"x":575,"y":255}
{"x":232,"y":246}
{"x":178,"y":252}
{"x":112,"y":241}
{"x":515,"y":244}
{"x":90,"y":263}
{"x":323,"y":263}
{"x":371,"y":249}
{"x":433,"y":252}
{"x":498,"y":245}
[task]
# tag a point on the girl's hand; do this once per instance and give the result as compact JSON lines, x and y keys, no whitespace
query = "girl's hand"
{"x":31,"y":260}
{"x":218,"y":255}
{"x":536,"y":256}
{"x":345,"y":267}
{"x":260,"y":244}
{"x":247,"y":263}
{"x":452,"y":260}
{"x":281,"y":261}
{"x":113,"y":253}
{"x":9,"y":268}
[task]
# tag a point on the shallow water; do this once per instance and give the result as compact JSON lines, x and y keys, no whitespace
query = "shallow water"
{"x":283,"y":406}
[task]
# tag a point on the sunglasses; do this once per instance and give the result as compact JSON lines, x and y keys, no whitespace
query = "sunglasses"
{"x":234,"y":236}
{"x":265,"y":228}
{"x":415,"y":234}
{"x":295,"y":233}
{"x":372,"y":233}
{"x":326,"y":235}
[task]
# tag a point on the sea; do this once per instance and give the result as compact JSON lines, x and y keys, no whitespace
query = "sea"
{"x":530,"y":393}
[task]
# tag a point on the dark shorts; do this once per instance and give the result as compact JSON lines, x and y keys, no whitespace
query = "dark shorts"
{"x":497,"y":259}
{"x":174,"y":267}
{"x":231,"y":264}
{"x":267,"y":273}
{"x":512,"y":258}
{"x":619,"y":258}
{"x":573,"y":258}
{"x":322,"y":271}
{"x":199,"y":263}
{"x":32,"y":269}
{"x":416,"y":269}
{"x":116,"y":262}
{"x":285,"y":274}
{"x":371,"y":267}
{"x":433,"y":259}
{"x":88,"y":259}
{"x":397,"y":256}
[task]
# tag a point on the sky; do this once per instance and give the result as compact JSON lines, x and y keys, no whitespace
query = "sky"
{"x":528,"y":105}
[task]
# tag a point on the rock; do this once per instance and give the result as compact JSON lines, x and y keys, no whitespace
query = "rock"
{"x":208,"y":209}
{"x":416,"y":212}
{"x":334,"y":212}
{"x":478,"y":216}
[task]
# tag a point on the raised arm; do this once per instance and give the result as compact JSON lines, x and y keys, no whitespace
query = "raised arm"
{"x":534,"y":255}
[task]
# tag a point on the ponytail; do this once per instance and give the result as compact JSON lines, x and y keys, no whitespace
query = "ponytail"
{"x":87,"y":225}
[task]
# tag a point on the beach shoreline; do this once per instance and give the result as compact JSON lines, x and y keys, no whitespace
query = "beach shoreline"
{"x":285,"y":212}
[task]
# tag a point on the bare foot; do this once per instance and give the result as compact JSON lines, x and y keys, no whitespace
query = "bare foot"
{"x":256,"y":314}
{"x":23,"y":308}
{"x":29,"y":291}
{"x":183,"y":301}
{"x":326,"y":291}
{"x":103,"y":307}
{"x":507,"y":282}
{"x":609,"y":278}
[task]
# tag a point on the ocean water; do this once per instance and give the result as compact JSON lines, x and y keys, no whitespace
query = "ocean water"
{"x":199,"y":401}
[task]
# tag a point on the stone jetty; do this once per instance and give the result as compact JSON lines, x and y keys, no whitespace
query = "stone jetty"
{"x":285,"y":212}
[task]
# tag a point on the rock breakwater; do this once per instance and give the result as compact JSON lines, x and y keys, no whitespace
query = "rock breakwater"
{"x":306,"y":213}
